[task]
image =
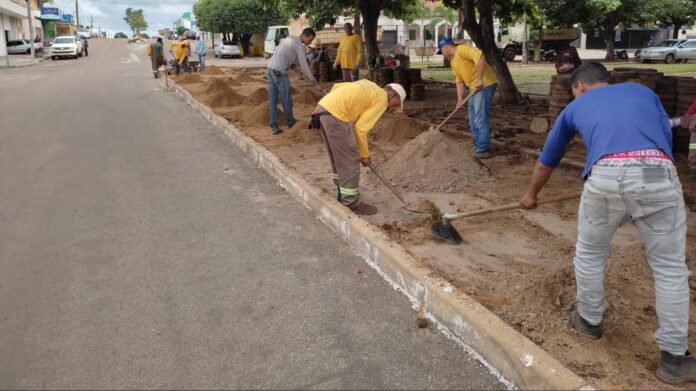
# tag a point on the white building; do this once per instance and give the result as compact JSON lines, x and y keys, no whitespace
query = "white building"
{"x":13,"y":16}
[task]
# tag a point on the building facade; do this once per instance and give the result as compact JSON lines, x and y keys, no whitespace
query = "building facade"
{"x":13,"y":14}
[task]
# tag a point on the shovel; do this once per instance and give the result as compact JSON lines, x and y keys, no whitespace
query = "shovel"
{"x":394,"y":191}
{"x":442,"y":229}
{"x":453,"y":112}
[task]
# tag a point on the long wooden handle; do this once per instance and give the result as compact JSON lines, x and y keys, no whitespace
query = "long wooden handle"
{"x":455,"y":110}
{"x":386,"y":183}
{"x":514,"y":205}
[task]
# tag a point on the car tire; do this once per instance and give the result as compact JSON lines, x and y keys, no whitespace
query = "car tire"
{"x":53,"y":57}
{"x":79,"y":54}
{"x":509,"y":54}
{"x":669,"y":59}
{"x":28,"y":51}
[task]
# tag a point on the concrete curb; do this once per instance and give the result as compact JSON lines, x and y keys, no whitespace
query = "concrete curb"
{"x":24,"y":65}
{"x":511,"y":354}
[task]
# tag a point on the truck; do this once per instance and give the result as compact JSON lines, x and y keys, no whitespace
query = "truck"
{"x":510,"y":38}
{"x":325,"y":37}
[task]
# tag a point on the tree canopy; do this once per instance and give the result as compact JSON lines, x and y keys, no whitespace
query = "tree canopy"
{"x":136,"y":20}
{"x":120,"y":35}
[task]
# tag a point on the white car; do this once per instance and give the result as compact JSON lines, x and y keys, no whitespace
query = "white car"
{"x":664,"y":51}
{"x":66,"y":46}
{"x":21,"y":46}
{"x":227,"y":49}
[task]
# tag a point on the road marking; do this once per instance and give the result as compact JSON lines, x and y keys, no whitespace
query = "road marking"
{"x":132,"y":59}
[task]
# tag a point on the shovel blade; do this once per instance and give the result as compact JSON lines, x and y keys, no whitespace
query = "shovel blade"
{"x":445,"y":232}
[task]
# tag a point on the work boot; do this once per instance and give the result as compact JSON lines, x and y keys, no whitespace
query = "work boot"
{"x":276,"y":129}
{"x":291,"y":124}
{"x":485,"y":154}
{"x":364,"y":209}
{"x":585,"y":328}
{"x":676,"y":369}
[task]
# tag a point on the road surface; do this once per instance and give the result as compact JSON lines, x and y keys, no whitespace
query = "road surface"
{"x":140,"y":249}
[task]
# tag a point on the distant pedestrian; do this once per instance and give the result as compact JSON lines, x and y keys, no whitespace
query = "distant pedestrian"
{"x":85,"y":45}
{"x":288,"y":51}
{"x":200,"y":50}
{"x":349,"y":54}
{"x":157,"y":57}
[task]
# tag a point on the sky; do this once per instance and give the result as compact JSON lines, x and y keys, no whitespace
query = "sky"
{"x":109,"y":13}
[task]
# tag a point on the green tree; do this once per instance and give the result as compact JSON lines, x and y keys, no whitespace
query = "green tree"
{"x":440,"y":14}
{"x":136,"y":20}
{"x":163,"y":32}
{"x":180,"y":30}
{"x":677,"y":13}
{"x":120,"y":35}
{"x":145,"y":36}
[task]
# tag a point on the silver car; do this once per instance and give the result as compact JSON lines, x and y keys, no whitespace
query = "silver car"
{"x":686,"y":51}
{"x":226,"y":49}
{"x":664,"y":51}
{"x":21,"y":46}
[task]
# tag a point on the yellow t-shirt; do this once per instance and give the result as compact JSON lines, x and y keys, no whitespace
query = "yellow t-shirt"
{"x":464,"y":67}
{"x":361,"y":103}
{"x":177,"y":49}
{"x":349,"y":51}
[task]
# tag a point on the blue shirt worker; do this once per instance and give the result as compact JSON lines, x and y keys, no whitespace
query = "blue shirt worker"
{"x":629,"y":176}
{"x":288,"y":51}
{"x":200,"y":51}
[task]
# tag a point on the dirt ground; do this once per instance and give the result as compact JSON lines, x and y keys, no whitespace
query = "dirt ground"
{"x":516,"y":263}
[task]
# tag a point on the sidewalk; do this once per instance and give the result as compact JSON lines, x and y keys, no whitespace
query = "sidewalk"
{"x":18,"y":61}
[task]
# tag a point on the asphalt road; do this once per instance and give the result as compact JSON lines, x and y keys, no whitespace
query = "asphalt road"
{"x":140,"y":249}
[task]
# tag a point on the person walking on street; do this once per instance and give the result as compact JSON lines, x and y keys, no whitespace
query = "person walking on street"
{"x":289,"y":50}
{"x":361,"y":103}
{"x":629,"y":176}
{"x":85,"y":45}
{"x":349,"y":54}
{"x":157,"y":56}
{"x":471,"y":70}
{"x":200,"y":51}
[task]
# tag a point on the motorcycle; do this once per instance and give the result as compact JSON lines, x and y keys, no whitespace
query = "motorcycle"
{"x":637,"y":56}
{"x":621,"y":54}
{"x":548,"y":55}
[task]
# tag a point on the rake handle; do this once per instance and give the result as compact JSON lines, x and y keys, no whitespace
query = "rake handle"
{"x":510,"y":206}
{"x":386,"y":183}
{"x":454,"y":111}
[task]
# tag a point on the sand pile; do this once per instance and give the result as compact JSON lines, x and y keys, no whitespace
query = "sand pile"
{"x":399,"y":129}
{"x":434,"y":162}
{"x":305,"y":97}
{"x":188,"y":78}
{"x":256,"y":116}
{"x":222,"y":99}
{"x":212,"y":70}
{"x":300,"y":132}
{"x":214,"y":86}
{"x":244,"y":78}
{"x":257,"y":97}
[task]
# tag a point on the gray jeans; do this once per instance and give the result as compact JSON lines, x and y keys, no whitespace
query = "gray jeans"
{"x":652,"y":199}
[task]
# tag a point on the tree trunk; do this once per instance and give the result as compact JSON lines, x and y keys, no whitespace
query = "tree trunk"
{"x":609,"y":38}
{"x":370,"y":13}
{"x":246,"y":41}
{"x":677,"y":26}
{"x":483,"y":35}
{"x":358,"y":30}
{"x":460,"y":23}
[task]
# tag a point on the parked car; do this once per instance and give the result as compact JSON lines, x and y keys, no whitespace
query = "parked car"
{"x":664,"y":51}
{"x":227,"y":49}
{"x":66,"y":46}
{"x":686,"y":51}
{"x":21,"y":46}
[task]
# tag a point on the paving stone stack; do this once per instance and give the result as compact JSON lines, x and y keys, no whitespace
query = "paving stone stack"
{"x":686,"y":94}
{"x":414,"y":76}
{"x":401,"y":77}
{"x":667,"y":90}
{"x":325,"y":72}
{"x":384,"y":76}
{"x":417,"y":91}
{"x":561,"y":94}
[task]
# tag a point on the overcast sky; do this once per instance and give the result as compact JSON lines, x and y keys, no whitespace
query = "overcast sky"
{"x":109,"y":13}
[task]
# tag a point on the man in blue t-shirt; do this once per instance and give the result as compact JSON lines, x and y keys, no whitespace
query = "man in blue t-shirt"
{"x":630,"y":176}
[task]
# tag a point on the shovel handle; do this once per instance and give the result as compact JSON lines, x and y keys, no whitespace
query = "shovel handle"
{"x":454,"y":111}
{"x":510,"y":206}
{"x":386,"y":183}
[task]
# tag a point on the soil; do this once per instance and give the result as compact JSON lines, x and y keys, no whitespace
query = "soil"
{"x":212,"y":70}
{"x":516,"y":263}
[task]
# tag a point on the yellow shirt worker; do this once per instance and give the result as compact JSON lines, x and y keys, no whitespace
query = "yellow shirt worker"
{"x":349,"y":54}
{"x":359,"y":105}
{"x":471,"y":70}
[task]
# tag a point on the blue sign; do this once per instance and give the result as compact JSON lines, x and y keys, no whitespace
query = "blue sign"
{"x":51,"y":13}
{"x":193,"y":25}
{"x":67,"y":18}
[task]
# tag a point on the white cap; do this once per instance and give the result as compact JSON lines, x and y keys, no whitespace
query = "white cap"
{"x":402,"y":94}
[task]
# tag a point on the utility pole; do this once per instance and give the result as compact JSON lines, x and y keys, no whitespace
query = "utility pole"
{"x":77,"y":14}
{"x":31,"y":30}
{"x":91,"y":23}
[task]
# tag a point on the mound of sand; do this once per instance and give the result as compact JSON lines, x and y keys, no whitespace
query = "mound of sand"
{"x":244,"y":78}
{"x":301,"y":133}
{"x":257,"y":97}
{"x":188,"y":78}
{"x":212,"y":70}
{"x":213,"y":86}
{"x":257,"y":116}
{"x":222,"y":99}
{"x":398,"y":129}
{"x":434,"y":162}
{"x":305,"y":97}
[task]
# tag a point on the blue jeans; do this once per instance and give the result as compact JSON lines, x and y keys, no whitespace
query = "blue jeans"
{"x":652,"y":199}
{"x":201,"y":62}
{"x":479,"y":109}
{"x":279,"y":85}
